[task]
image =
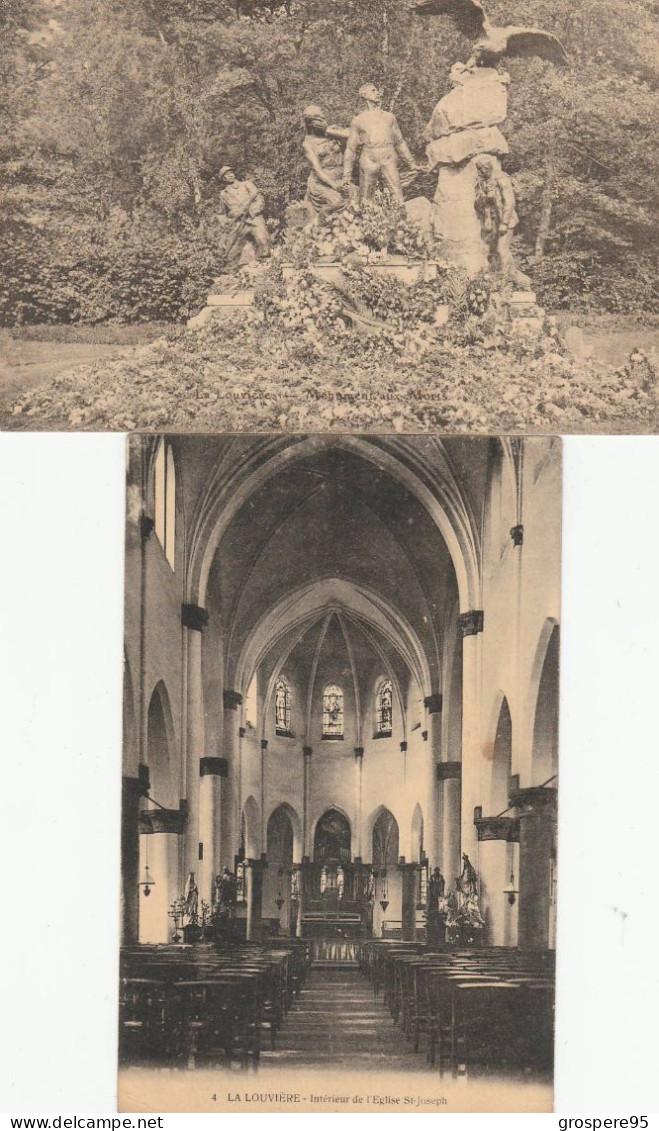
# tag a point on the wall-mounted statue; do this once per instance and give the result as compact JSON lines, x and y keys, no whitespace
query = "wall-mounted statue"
{"x":242,"y":206}
{"x":382,"y":144}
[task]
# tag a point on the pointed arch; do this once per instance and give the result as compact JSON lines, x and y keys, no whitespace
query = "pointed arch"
{"x":437,"y":491}
{"x":332,"y":837}
{"x":544,"y":750}
{"x":385,"y":837}
{"x":500,"y":751}
{"x":284,"y":809}
{"x":160,"y":746}
{"x":416,"y":839}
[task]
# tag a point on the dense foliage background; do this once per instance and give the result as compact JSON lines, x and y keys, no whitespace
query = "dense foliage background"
{"x":118,"y":114}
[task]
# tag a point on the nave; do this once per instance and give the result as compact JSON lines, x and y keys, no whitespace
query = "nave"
{"x":340,"y":772}
{"x":398,"y":1007}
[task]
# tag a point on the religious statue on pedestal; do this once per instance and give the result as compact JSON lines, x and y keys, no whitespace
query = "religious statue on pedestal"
{"x":191,"y":898}
{"x":224,"y":893}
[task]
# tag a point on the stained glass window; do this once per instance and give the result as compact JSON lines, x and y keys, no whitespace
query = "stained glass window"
{"x":282,"y":706}
{"x":384,"y":709}
{"x":332,"y":712}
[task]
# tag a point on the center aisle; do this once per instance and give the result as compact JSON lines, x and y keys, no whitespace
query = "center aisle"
{"x":336,"y":1021}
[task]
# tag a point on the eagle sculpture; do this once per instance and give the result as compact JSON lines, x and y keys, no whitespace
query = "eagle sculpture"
{"x":492,"y":43}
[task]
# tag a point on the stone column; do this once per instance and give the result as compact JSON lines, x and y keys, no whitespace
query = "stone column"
{"x":359,"y":761}
{"x":132,"y":789}
{"x":470,"y":627}
{"x":211,"y":773}
{"x":449,"y":776}
{"x":194,"y":619}
{"x":496,"y":836}
{"x":304,"y":881}
{"x":161,"y":832}
{"x":232,"y":700}
{"x":254,"y":893}
{"x":306,"y":794}
{"x":537,"y":818}
{"x":264,"y":822}
{"x":410,"y":874}
{"x":434,"y":809}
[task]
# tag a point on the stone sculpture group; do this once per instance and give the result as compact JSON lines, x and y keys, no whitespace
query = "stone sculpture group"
{"x":472,"y":217}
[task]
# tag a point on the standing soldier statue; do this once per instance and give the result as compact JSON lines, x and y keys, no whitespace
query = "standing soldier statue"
{"x":242,"y":205}
{"x":382,"y":144}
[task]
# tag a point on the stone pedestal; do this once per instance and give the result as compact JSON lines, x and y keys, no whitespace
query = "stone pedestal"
{"x":222,"y":306}
{"x":408,"y":271}
{"x":456,"y":224}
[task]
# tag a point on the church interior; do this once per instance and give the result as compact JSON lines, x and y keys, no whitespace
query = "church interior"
{"x":340,"y":752}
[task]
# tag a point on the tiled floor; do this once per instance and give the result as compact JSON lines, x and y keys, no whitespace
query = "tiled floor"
{"x":336,"y":1021}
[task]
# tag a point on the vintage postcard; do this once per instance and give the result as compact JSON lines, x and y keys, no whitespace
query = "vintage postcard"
{"x":391,"y":216}
{"x":340,"y":773}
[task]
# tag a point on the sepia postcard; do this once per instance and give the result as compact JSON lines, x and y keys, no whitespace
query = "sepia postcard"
{"x":394,"y":216}
{"x":340,"y":773}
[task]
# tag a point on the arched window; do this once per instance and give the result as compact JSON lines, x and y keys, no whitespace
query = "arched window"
{"x":251,"y":703}
{"x":282,"y":706}
{"x":384,"y":709}
{"x":165,"y":500}
{"x":332,"y":712}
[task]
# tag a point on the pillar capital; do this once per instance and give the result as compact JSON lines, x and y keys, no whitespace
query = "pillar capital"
{"x":231,"y":699}
{"x":359,"y":753}
{"x":163,"y":820}
{"x":433,"y":703}
{"x":471,"y":623}
{"x":218,"y":767}
{"x":307,"y":751}
{"x":449,"y":770}
{"x":409,"y":866}
{"x":257,"y":865}
{"x":495,"y":828}
{"x":517,"y":534}
{"x":194,"y":617}
{"x":534,"y":800}
{"x":139,"y":786}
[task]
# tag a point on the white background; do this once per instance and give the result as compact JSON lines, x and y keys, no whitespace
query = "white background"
{"x":61,"y":580}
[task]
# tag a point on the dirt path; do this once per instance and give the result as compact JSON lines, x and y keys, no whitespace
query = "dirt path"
{"x":24,"y":365}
